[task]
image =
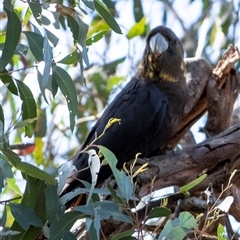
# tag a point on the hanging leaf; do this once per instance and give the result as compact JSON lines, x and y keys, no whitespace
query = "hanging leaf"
{"x":29,"y":108}
{"x":13,"y":32}
{"x":66,"y":85}
{"x":35,"y":42}
{"x":107,"y":16}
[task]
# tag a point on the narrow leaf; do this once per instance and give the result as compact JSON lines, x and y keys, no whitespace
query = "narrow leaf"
{"x":96,"y":37}
{"x":5,"y":170}
{"x":29,"y":108}
{"x":12,"y":37}
{"x":6,"y":78}
{"x":186,"y":188}
{"x":159,"y":212}
{"x":107,"y":16}
{"x":26,"y":168}
{"x":52,"y":201}
{"x":72,"y":58}
{"x":67,"y":87}
{"x":36,"y":9}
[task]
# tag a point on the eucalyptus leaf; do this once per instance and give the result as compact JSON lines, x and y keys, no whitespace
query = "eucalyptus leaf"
{"x":13,"y":32}
{"x":25,"y":216}
{"x":107,"y":16}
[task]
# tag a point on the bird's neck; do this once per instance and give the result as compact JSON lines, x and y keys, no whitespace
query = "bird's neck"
{"x":148,"y":72}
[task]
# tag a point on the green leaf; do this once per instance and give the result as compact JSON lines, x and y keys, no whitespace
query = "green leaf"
{"x":21,"y":49}
{"x":29,"y":108}
{"x":12,"y":184}
{"x":8,"y":5}
{"x":123,"y":181}
{"x":52,"y":201}
{"x":113,"y":81}
{"x":68,"y":236}
{"x":106,"y":210}
{"x":26,"y":168}
{"x":24,"y":123}
{"x":58,"y":228}
{"x":89,"y":4}
{"x":72,"y":58}
{"x":186,"y":188}
{"x":78,"y":27}
{"x":50,"y":21}
{"x":107,"y":16}
{"x":179,"y":227}
{"x":110,"y":68}
{"x":33,"y":198}
{"x":114,"y":195}
{"x":3,"y":219}
{"x":44,"y":72}
{"x":67,"y":87}
{"x":27,"y":16}
{"x":138,"y":10}
{"x":96,"y":37}
{"x":14,"y":28}
{"x":124,"y":235}
{"x":221,"y":232}
{"x":47,"y":57}
{"x":36,"y":9}
{"x":25,"y":216}
{"x":6,"y":78}
{"x":35,"y":42}
{"x":158,"y":212}
{"x":1,"y":122}
{"x":138,"y":29}
{"x":5,"y":171}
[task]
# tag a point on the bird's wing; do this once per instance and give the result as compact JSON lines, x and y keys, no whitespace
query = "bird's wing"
{"x":141,"y":107}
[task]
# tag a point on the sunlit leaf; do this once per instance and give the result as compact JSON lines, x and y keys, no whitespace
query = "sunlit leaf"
{"x":107,"y":16}
{"x":184,"y":189}
{"x":13,"y":185}
{"x":221,"y":232}
{"x":96,"y":37}
{"x":72,"y":58}
{"x":137,"y":29}
{"x":38,"y":152}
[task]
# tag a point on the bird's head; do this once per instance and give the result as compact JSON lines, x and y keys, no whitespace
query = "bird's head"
{"x":163,"y":57}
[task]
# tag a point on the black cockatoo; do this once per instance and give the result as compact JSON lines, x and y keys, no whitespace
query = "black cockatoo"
{"x":149,"y":106}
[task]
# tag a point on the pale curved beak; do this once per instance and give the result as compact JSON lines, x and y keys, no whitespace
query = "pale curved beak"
{"x":158,"y":43}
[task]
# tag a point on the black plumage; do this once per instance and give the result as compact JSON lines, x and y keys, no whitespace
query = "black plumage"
{"x":149,"y":107}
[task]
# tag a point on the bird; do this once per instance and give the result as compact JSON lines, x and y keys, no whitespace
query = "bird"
{"x":149,"y":108}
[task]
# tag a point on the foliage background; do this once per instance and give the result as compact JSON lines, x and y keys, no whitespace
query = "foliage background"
{"x":84,"y":59}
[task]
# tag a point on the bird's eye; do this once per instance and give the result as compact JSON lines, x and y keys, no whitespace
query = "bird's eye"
{"x":93,"y":155}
